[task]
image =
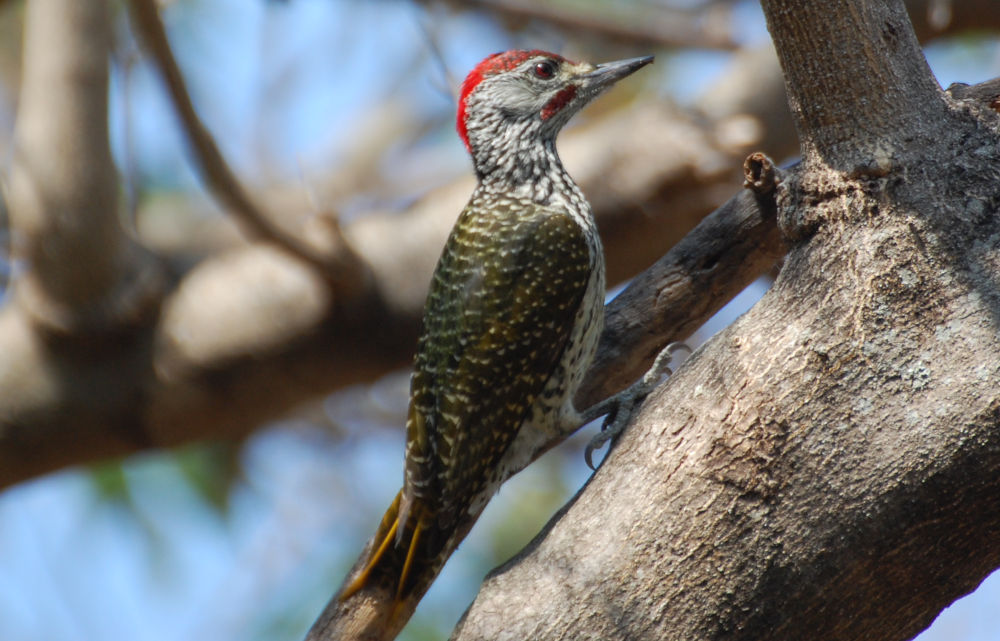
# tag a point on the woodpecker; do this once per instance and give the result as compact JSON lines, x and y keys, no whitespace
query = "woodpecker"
{"x":510,"y":326}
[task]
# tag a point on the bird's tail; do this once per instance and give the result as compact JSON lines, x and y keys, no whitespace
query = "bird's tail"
{"x":385,"y":585}
{"x":401,"y":560}
{"x":389,"y":557}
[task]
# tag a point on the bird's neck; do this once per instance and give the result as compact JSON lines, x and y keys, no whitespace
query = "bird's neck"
{"x":531,"y":172}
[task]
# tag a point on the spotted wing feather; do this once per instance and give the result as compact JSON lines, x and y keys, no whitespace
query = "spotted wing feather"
{"x":498,"y":317}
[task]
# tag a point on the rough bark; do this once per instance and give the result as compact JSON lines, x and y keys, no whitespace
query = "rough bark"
{"x":827,"y":466}
{"x":727,"y":251}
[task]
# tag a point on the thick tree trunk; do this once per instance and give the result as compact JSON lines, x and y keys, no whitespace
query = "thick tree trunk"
{"x":827,"y":467}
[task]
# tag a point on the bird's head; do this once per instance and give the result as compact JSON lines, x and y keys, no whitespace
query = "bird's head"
{"x":521,"y":98}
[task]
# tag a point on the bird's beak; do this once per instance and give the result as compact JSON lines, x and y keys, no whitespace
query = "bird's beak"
{"x":607,"y":74}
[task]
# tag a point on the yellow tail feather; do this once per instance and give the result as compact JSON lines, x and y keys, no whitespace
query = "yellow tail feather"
{"x":390,"y":521}
{"x":362,"y":578}
{"x":390,"y":532}
{"x":409,"y":561}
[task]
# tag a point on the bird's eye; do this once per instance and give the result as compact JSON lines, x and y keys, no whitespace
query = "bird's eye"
{"x":545,"y":69}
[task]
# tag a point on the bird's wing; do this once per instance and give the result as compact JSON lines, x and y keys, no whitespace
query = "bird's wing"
{"x":498,"y":317}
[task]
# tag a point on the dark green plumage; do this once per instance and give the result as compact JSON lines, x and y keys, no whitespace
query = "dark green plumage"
{"x":500,"y":311}
{"x":503,"y":306}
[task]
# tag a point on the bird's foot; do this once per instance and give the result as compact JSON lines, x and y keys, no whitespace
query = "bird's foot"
{"x":618,"y":409}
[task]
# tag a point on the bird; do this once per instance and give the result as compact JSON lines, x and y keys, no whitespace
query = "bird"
{"x":510,"y":325}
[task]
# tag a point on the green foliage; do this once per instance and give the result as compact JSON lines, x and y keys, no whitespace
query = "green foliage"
{"x":110,"y":483}
{"x":211,"y":469}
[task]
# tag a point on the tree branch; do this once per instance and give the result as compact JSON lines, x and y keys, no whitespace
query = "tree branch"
{"x":666,"y":27}
{"x":337,"y":261}
{"x":933,"y":18}
{"x":85,"y":274}
{"x":891,"y":77}
{"x":726,"y":252}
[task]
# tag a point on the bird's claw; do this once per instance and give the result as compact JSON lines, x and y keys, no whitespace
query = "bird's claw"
{"x":595,"y":444}
{"x":616,"y":420}
{"x":603,"y":436}
{"x":625,"y":402}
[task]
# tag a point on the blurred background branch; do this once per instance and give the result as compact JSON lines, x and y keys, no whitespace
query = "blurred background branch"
{"x":634,"y":25}
{"x":62,"y":196}
{"x":342,"y":266}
